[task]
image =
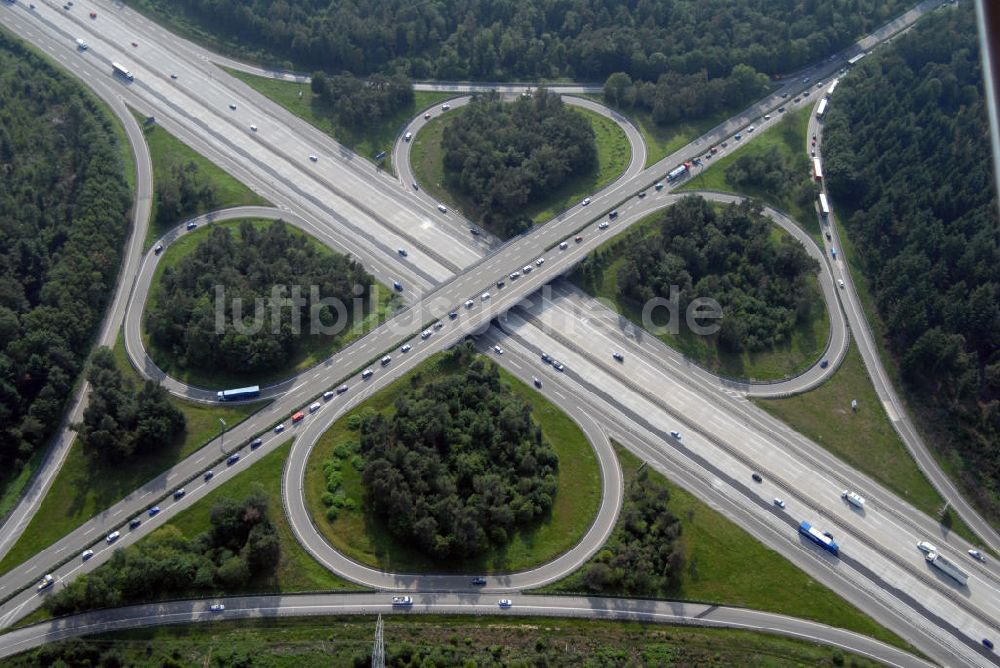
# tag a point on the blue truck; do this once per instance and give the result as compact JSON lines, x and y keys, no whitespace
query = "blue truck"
{"x":824,"y":540}
{"x":240,"y":393}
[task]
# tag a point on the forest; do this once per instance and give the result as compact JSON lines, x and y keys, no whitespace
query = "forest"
{"x":490,"y":40}
{"x":459,"y":466}
{"x":64,"y":203}
{"x":240,"y":545}
{"x":907,"y":152}
{"x":506,"y":155}
{"x":356,"y":102}
{"x":119,"y":421}
{"x":725,"y":254}
{"x":676,"y":96}
{"x":644,"y":556}
{"x":257,"y":334}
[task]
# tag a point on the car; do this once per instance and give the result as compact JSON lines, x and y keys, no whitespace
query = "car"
{"x":134,"y":523}
{"x":767,"y":117}
{"x":498,"y":350}
{"x":536,"y":381}
{"x":397,"y":286}
{"x":87,"y":554}
{"x":585,"y":202}
{"x":256,"y":443}
{"x":366,"y":374}
{"x":191,"y":225}
{"x":828,"y":236}
{"x":751,"y":129}
{"x":152,"y":512}
{"x":474,"y":232}
{"x":81,"y":44}
{"x":217,"y":607}
{"x":445,"y":107}
{"x":778,"y":502}
{"x":526,"y":269}
{"x":724,"y":144}
{"x":781,"y":110}
{"x":402,"y":600}
{"x":546,"y":358}
{"x":402,"y":252}
{"x":173,"y":76}
{"x":824,"y":363}
{"x":505,"y":603}
{"x":805,"y":80}
{"x":93,"y":15}
{"x":209,"y":474}
{"x":812,"y":152}
{"x":158,"y":249}
{"x":385,"y":360}
{"x":479,"y":581}
{"x":618,"y":356}
{"x":676,"y":434}
{"x":443,"y":209}
{"x":408,"y":136}
{"x":415,"y":186}
{"x":342,"y":389}
{"x":380,"y":155}
{"x":46,"y":582}
{"x":563,"y":245}
{"x":613,"y":214}
{"x":578,"y":238}
{"x":469,"y":303}
{"x":232,"y":105}
{"x":427,"y":115}
{"x":796,"y":99}
{"x":280,"y":428}
{"x":328,"y":395}
{"x":757,"y":477}
{"x":135,"y":43}
{"x":438,"y":325}
{"x":112,"y":537}
{"x":658,"y":185}
{"x":819,"y":85}
{"x":987,"y":643}
{"x":314,"y":158}
{"x":253,"y":128}
{"x":558,"y":366}
{"x":424,"y":334}
{"x":642,"y":193}
{"x":232,"y":459}
{"x":453,"y":314}
{"x":514,"y":275}
{"x":737,"y":136}
{"x":603,"y":225}
{"x":501,"y":284}
{"x":976,"y":554}
{"x":483,"y":297}
{"x":840,"y":282}
{"x":406,"y":348}
{"x":315,"y":406}
{"x":179,"y":493}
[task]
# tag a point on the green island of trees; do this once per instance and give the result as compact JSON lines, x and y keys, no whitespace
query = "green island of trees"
{"x":906,"y":156}
{"x":120,"y":422}
{"x":505,"y":155}
{"x":63,"y":219}
{"x":725,"y":254}
{"x":357,"y":102}
{"x":241,"y":544}
{"x":256,"y":334}
{"x":459,"y":466}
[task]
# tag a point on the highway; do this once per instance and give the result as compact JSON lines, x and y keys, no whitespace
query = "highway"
{"x":434,"y":259}
{"x":300,"y":605}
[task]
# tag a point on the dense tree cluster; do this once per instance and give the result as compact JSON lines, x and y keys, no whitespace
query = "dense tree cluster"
{"x":725,"y":255}
{"x":907,"y":150}
{"x":63,"y":206}
{"x":772,"y":172}
{"x":676,"y":96}
{"x":256,"y":334}
{"x":356,"y":102}
{"x":240,"y":545}
{"x":494,"y":40}
{"x":118,"y":421}
{"x":460,"y":466}
{"x":644,"y":555}
{"x":505,"y":155}
{"x":184,"y":192}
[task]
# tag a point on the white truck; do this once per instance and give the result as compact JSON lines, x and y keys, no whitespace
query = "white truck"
{"x":853,"y":498}
{"x":945,"y":566}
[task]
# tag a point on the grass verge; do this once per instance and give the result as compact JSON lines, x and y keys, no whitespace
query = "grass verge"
{"x":863,"y":438}
{"x":82,"y":488}
{"x":165,"y":151}
{"x":715,"y":568}
{"x":613,"y":157}
{"x":457,"y":640}
{"x":366,"y":141}
{"x":311,"y":349}
{"x":362,"y":537}
{"x":807,"y":343}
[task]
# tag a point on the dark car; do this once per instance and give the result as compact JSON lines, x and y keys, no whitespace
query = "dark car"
{"x":987,"y":643}
{"x":208,"y":475}
{"x":134,"y":523}
{"x":453,"y":315}
{"x":256,"y":443}
{"x":233,"y":459}
{"x":191,"y":226}
{"x":824,"y":363}
{"x":397,"y":286}
{"x":479,"y":582}
{"x":500,"y":284}
{"x":757,"y":477}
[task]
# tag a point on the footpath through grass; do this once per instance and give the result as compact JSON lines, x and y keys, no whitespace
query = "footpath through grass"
{"x":724,"y":565}
{"x":457,"y":640}
{"x":165,"y":152}
{"x":311,"y":348}
{"x":613,"y":157}
{"x":863,"y":438}
{"x":806,"y":345}
{"x":790,"y":138}
{"x":83,"y":488}
{"x":368,"y":140}
{"x":363,"y":537}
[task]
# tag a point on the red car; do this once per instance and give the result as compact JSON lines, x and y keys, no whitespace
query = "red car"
{"x":93,"y":15}
{"x":579,"y":239}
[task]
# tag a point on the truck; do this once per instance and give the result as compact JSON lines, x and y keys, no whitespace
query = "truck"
{"x":853,"y":498}
{"x":833,"y":87}
{"x":239,"y":393}
{"x":81,"y":43}
{"x":678,"y":172}
{"x":824,"y":540}
{"x":946,"y":567}
{"x":122,"y":71}
{"x":817,"y":170}
{"x":822,"y":108}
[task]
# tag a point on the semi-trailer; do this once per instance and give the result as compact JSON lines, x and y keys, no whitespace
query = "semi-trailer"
{"x":945,"y":566}
{"x":239,"y":393}
{"x":824,"y":540}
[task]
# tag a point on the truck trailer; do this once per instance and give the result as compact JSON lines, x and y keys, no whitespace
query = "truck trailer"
{"x":945,"y":566}
{"x":238,"y":394}
{"x":122,"y":71}
{"x":824,"y":540}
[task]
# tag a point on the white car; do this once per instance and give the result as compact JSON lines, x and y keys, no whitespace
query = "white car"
{"x":558,"y":365}
{"x":540,"y":261}
{"x":402,"y":600}
{"x":280,"y":428}
{"x":563,"y":246}
{"x":527,"y":269}
{"x":676,"y":434}
{"x":603,"y":225}
{"x":406,"y":348}
{"x":976,"y":554}
{"x":442,"y":208}
{"x":314,"y":158}
{"x":485,"y":296}
{"x":218,"y":607}
{"x":469,"y":303}
{"x":424,"y":334}
{"x":87,"y":554}
{"x":586,"y":201}
{"x":445,"y":107}
{"x":778,"y":502}
{"x":840,"y":282}
{"x":505,"y":603}
{"x":926,"y":547}
{"x":498,"y":350}
{"x":408,"y":136}
{"x":112,"y":537}
{"x":253,"y":128}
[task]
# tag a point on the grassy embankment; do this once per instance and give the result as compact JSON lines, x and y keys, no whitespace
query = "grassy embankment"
{"x":361,"y":536}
